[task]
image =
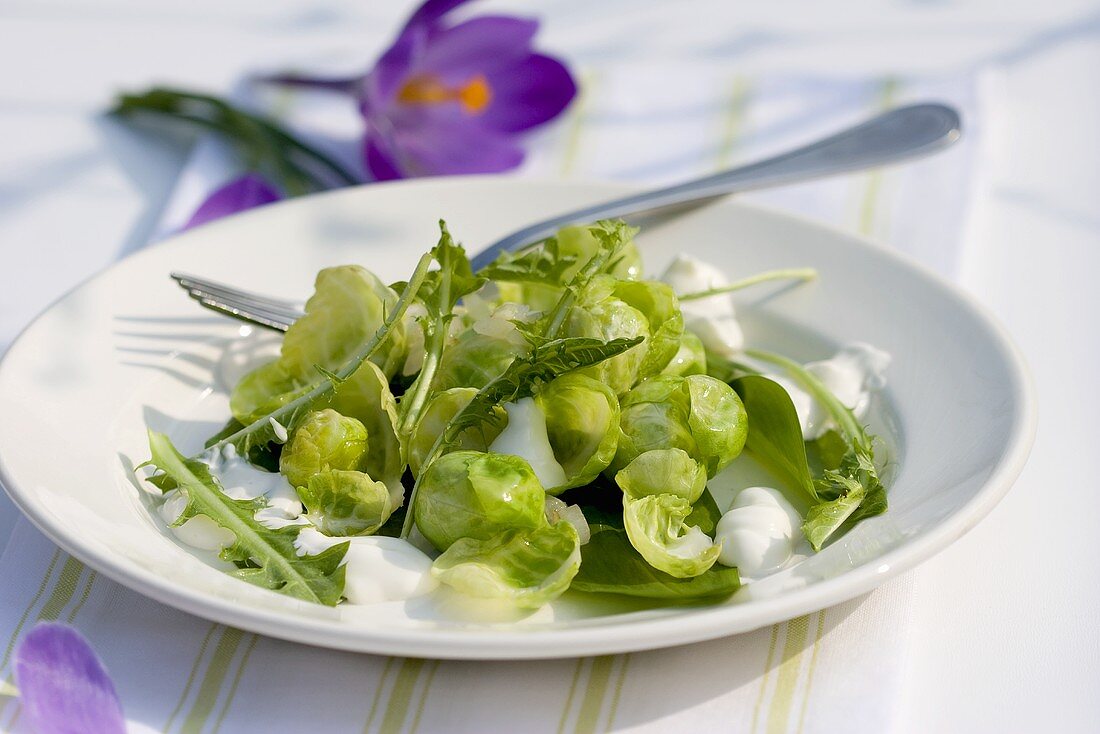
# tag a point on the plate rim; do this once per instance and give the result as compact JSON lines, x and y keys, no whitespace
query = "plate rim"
{"x":704,"y":623}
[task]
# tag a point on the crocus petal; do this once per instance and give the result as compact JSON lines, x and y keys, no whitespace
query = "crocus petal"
{"x":63,"y":685}
{"x":431,"y":11}
{"x":478,"y":46}
{"x":528,"y":93}
{"x":391,"y":71}
{"x":246,"y":192}
{"x":378,"y":157}
{"x":443,"y":140}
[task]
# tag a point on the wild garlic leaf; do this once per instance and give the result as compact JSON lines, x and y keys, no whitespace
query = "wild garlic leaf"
{"x":775,"y":435}
{"x":856,"y":467}
{"x":610,"y":564}
{"x":266,"y":557}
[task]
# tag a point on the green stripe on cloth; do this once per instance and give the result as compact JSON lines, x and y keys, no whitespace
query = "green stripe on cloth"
{"x":813,"y":667}
{"x":62,"y":593}
{"x":401,"y":696}
{"x":30,"y":608}
{"x":578,"y":118}
{"x":432,"y":667}
{"x":210,"y":689}
{"x":764,"y":680}
{"x":569,"y":698}
{"x":236,"y":682}
{"x":191,"y":676}
{"x":734,"y":120}
{"x":787,"y":675}
{"x":378,"y":694}
{"x":868,"y":209}
{"x":594,"y":693}
{"x":618,"y":692}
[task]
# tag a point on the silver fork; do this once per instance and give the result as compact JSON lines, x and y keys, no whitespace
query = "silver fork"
{"x":900,"y":134}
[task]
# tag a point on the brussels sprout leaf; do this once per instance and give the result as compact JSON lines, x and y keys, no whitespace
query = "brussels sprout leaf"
{"x":286,"y":417}
{"x":610,"y":564}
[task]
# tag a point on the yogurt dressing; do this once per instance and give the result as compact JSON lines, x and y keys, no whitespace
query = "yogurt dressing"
{"x":242,"y":481}
{"x":377,"y":568}
{"x":759,"y":532}
{"x":853,"y":374}
{"x":711,"y":319}
{"x":525,"y":437}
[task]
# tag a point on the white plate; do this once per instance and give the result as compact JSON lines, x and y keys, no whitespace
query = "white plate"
{"x":128,"y":348}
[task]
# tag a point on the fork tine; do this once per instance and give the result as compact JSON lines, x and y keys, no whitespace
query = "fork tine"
{"x":247,"y":314}
{"x":217,"y":289}
{"x":246,"y":301}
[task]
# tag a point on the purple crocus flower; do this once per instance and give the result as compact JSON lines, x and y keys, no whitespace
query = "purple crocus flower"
{"x":247,"y":192}
{"x":453,"y":98}
{"x":63,"y":685}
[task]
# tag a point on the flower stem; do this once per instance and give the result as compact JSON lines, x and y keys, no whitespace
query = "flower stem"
{"x":802,"y":274}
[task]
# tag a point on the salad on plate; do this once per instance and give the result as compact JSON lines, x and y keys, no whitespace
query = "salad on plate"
{"x":550,"y":423}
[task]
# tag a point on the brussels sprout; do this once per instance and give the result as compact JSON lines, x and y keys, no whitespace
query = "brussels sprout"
{"x":601,"y":315}
{"x":469,"y":494}
{"x":579,"y":241}
{"x":654,"y":415}
{"x":262,"y":391}
{"x":697,"y":413}
{"x":690,"y":358}
{"x":525,"y":567}
{"x":718,"y":421}
{"x":366,"y":396}
{"x":475,"y":359}
{"x":655,"y":526}
{"x":582,"y":425}
{"x":663,"y":471}
{"x":657,"y":302}
{"x":341,"y":502}
{"x":324,"y":440}
{"x":345,"y":310}
{"x":437,"y":414}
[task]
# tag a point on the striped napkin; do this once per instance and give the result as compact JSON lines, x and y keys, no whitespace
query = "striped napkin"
{"x":840,"y":669}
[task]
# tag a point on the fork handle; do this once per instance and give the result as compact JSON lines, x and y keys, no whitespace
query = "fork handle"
{"x":896,"y":135}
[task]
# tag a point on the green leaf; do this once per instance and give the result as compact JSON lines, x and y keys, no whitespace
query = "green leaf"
{"x":262,"y":431}
{"x":775,"y":436}
{"x":525,"y":567}
{"x":342,"y":502}
{"x":656,"y":527}
{"x":261,"y":142}
{"x":468,"y":494}
{"x":609,"y":564}
{"x":539,"y":265}
{"x":582,"y":425}
{"x":265,"y":557}
{"x":527,"y":374}
{"x":440,"y":293}
{"x":324,"y":440}
{"x":856,"y":467}
{"x":663,"y":471}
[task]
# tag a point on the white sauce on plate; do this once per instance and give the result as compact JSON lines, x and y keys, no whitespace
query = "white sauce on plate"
{"x":711,"y":319}
{"x":377,"y":568}
{"x":759,"y":532}
{"x":852,"y":375}
{"x":525,"y":437}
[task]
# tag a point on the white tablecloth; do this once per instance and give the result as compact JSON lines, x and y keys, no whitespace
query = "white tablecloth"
{"x":1000,"y":638}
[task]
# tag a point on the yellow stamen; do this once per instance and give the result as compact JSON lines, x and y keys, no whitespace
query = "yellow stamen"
{"x":474,"y":95}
